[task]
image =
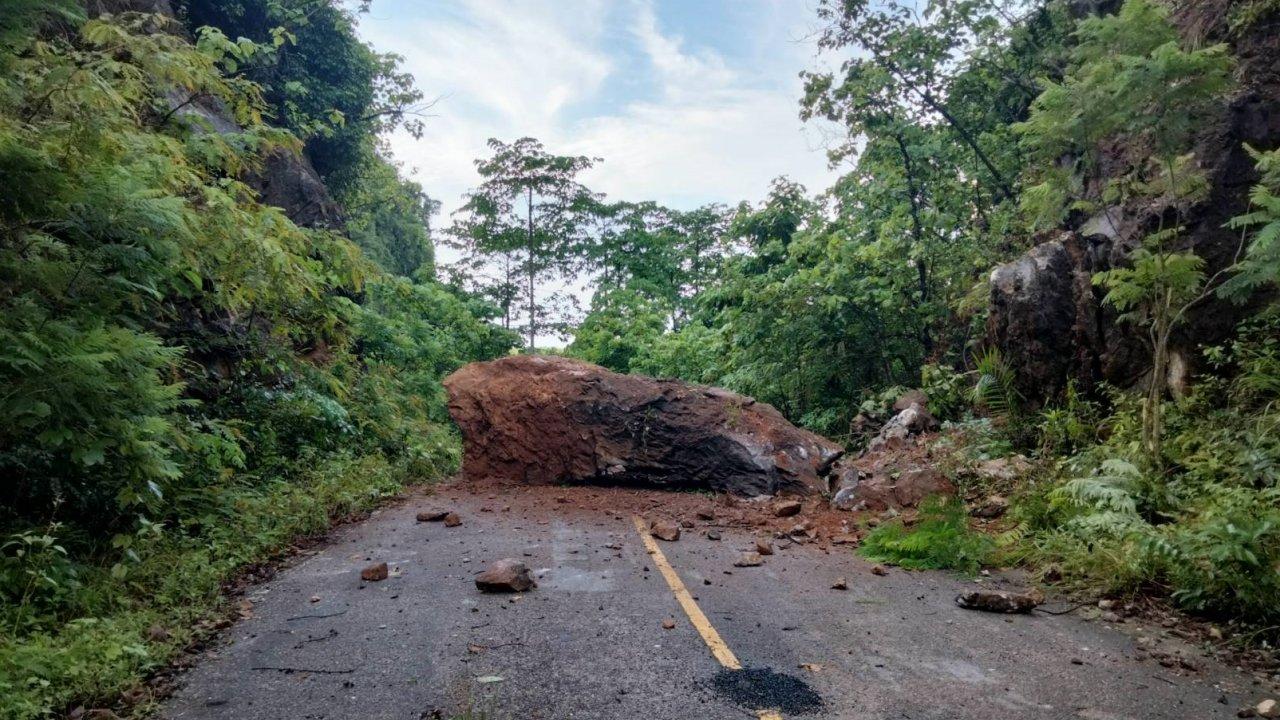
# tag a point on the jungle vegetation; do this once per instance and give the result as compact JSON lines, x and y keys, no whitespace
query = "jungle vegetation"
{"x":190,"y":380}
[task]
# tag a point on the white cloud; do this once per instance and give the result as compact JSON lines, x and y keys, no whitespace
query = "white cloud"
{"x":700,"y":128}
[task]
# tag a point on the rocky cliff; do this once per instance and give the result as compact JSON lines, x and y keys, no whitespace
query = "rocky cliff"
{"x":1046,"y":316}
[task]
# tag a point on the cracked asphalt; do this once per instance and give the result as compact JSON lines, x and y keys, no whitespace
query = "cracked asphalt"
{"x":589,"y":642}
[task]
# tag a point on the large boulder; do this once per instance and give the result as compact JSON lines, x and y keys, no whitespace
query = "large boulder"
{"x":545,"y":419}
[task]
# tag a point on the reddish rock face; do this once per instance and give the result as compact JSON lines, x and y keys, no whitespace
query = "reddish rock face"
{"x":544,"y":419}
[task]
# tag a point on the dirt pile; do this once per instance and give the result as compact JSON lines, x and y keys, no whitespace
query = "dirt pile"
{"x":542,"y":420}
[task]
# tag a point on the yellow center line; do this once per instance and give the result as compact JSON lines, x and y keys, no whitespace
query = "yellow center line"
{"x":700,"y":622}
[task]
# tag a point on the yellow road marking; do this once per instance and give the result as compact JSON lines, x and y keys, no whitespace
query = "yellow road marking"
{"x":709,"y":635}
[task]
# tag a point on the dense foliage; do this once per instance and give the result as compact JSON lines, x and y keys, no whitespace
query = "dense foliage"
{"x":971,"y":127}
{"x":189,"y":378}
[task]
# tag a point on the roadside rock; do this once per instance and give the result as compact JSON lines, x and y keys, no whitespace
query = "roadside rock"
{"x":993,"y":507}
{"x":764,"y":547}
{"x":1003,"y":470}
{"x":664,"y":530}
{"x":374,"y":573}
{"x":433,"y":515}
{"x":1267,"y":709}
{"x":889,"y":486}
{"x":909,"y":398}
{"x":506,"y":575}
{"x":913,"y":420}
{"x":452,"y":520}
{"x":1000,"y":601}
{"x":787,"y":508}
{"x":748,"y":559}
{"x":840,"y":584}
{"x":543,"y":419}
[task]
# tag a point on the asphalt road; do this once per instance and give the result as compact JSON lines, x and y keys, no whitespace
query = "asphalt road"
{"x":589,"y":642}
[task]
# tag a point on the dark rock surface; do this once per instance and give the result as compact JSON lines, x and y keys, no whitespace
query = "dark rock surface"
{"x":1048,"y":320}
{"x":542,"y":419}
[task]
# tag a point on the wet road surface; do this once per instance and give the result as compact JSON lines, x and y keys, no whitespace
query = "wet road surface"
{"x":590,"y":643}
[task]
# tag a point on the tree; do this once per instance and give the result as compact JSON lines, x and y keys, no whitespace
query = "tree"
{"x":531,"y":215}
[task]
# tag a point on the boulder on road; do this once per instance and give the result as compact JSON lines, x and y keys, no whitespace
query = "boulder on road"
{"x":544,"y":419}
{"x":506,"y":575}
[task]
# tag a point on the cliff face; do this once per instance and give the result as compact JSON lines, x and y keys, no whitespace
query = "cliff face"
{"x":1047,"y":318}
{"x":285,"y":180}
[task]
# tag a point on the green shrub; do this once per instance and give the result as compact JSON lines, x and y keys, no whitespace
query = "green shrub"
{"x":941,"y":539}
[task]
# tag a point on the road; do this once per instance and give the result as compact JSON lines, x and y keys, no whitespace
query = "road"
{"x":590,"y":641}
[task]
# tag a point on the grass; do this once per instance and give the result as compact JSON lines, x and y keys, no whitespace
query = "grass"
{"x":105,"y":647}
{"x":940,"y":540}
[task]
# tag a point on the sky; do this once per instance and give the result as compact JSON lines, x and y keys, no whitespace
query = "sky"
{"x":686,"y":101}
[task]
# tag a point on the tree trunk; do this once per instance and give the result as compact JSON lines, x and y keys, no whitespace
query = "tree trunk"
{"x":533,"y":304}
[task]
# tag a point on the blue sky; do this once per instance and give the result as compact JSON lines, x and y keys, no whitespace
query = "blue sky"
{"x":686,"y":101}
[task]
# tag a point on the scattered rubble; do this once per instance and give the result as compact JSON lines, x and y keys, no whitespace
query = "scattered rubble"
{"x":1000,"y":601}
{"x":764,"y":547}
{"x":506,"y":575}
{"x":433,"y":515}
{"x":452,"y":520}
{"x":840,"y":584}
{"x":749,"y":559}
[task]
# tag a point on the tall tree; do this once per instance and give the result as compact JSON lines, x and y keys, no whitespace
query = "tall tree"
{"x":531,"y":215}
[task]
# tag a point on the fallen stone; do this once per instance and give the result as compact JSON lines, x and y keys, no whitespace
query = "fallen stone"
{"x":374,"y":573}
{"x":748,"y":559}
{"x":910,"y":421}
{"x":888,"y":485}
{"x":840,"y":584}
{"x":452,"y":520}
{"x":787,"y":508}
{"x":879,"y":570}
{"x":664,"y":530}
{"x":668,"y":624}
{"x":506,"y":575}
{"x":706,"y":515}
{"x":993,"y":507}
{"x":1003,"y":470}
{"x":713,"y":535}
{"x":764,"y":547}
{"x":1268,"y":708}
{"x":909,"y":398}
{"x":1000,"y":601}
{"x":432,"y":515}
{"x":844,"y":539}
{"x":542,"y":420}
{"x":157,"y":633}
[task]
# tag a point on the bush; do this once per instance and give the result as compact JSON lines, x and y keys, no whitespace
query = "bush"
{"x":941,"y":539}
